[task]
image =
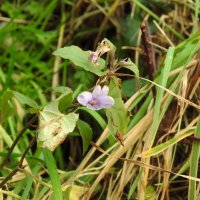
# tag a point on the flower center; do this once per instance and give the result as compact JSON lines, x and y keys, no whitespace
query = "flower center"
{"x":94,"y":102}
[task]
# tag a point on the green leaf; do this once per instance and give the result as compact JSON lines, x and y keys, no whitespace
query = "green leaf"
{"x":54,"y":126}
{"x":53,"y":172}
{"x":117,"y":115}
{"x":74,"y":134}
{"x":129,"y":87}
{"x":62,"y":89}
{"x":150,"y":192}
{"x":86,"y":134}
{"x":95,"y":115}
{"x":25,"y":100}
{"x":80,"y":58}
{"x":130,"y":65}
{"x":131,"y":28}
{"x":65,"y":100}
{"x":8,"y":108}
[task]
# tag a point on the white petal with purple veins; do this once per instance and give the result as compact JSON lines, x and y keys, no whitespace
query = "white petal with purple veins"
{"x":84,"y":98}
{"x":105,"y":90}
{"x":106,"y":101}
{"x":97,"y":91}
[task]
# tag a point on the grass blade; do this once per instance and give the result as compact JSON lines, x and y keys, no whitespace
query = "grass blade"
{"x":96,"y":116}
{"x":158,"y":149}
{"x":160,"y":92}
{"x":52,"y":169}
{"x":194,"y":163}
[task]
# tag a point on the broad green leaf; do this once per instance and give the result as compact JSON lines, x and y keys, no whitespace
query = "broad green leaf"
{"x":80,"y":59}
{"x":86,"y":134}
{"x":25,"y":100}
{"x":54,"y":126}
{"x":8,"y":108}
{"x":129,"y":87}
{"x":131,"y":28}
{"x":65,"y":100}
{"x":62,"y":90}
{"x":53,"y":172}
{"x":129,"y":65}
{"x":74,"y":134}
{"x":117,"y":115}
{"x":52,"y":107}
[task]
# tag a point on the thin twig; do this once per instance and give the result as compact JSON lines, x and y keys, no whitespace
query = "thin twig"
{"x":17,"y":21}
{"x":16,"y":141}
{"x":163,"y":32}
{"x":149,"y":51}
{"x":163,"y":88}
{"x":143,"y":164}
{"x":19,"y":164}
{"x":55,"y":78}
{"x":12,"y":173}
{"x":26,"y":151}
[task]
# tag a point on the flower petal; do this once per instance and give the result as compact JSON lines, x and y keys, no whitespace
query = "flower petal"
{"x":97,"y":91}
{"x":94,"y":106}
{"x":106,"y":101}
{"x":84,"y":98}
{"x":105,"y":90}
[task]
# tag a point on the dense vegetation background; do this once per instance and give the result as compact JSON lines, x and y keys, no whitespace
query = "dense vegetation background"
{"x":158,"y":157}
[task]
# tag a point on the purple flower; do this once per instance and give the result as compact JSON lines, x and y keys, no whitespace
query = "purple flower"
{"x":96,"y":100}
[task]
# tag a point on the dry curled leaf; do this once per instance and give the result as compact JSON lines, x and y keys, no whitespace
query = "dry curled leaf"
{"x":54,"y":126}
